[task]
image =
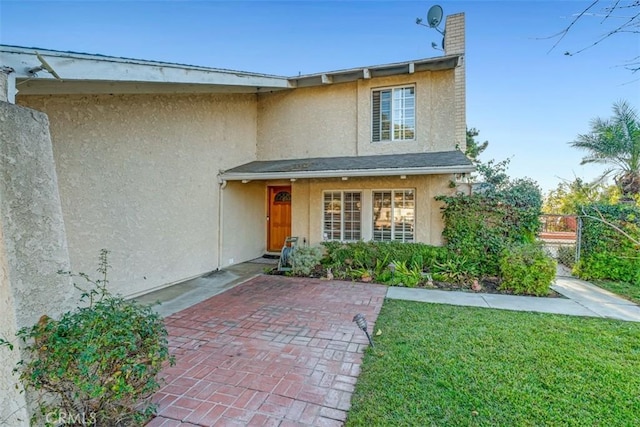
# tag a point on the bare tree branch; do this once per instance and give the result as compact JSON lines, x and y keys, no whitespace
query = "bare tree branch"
{"x":566,"y":30}
{"x":631,"y":25}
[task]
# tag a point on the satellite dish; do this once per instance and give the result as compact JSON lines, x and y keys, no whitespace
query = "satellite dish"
{"x":44,"y":65}
{"x":434,"y":16}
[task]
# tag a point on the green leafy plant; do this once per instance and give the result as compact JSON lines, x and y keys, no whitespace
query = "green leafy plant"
{"x":503,"y":212}
{"x":361,"y":274}
{"x":610,"y":243}
{"x":527,"y":269}
{"x":304,"y":259}
{"x":97,"y":364}
{"x":408,"y":276}
{"x":381,"y":265}
{"x":456,"y":268}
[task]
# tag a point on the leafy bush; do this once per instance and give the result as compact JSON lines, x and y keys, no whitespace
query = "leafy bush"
{"x":99,"y":362}
{"x":481,"y":227}
{"x":376,"y":256}
{"x":607,"y":252}
{"x":407,"y":275}
{"x":504,"y":212}
{"x":304,"y":259}
{"x":527,"y":269}
{"x":352,"y":260}
{"x":456,"y":268}
{"x":609,"y":266}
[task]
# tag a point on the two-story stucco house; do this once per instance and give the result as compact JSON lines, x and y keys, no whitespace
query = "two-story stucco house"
{"x":181,"y":170}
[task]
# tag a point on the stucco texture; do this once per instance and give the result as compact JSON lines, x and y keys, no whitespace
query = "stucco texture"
{"x":244,"y":231}
{"x":335,"y":120}
{"x":33,"y":246}
{"x":138,"y":176}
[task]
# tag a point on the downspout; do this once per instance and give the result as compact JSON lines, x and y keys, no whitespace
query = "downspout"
{"x":222,"y":185}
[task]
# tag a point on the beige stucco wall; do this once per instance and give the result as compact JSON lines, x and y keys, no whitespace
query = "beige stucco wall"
{"x":308,"y":122}
{"x":33,"y":247}
{"x":335,"y":120}
{"x":138,"y":176}
{"x":244,"y":232}
{"x":307,"y":199}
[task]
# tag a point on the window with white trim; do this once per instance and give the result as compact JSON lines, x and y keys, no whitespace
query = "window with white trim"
{"x":393,"y":114}
{"x":394,"y":215}
{"x":342,"y":215}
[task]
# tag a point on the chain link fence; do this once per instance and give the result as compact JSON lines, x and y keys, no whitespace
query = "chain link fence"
{"x":560,"y":235}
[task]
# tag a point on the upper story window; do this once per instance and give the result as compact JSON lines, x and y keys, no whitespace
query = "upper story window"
{"x":394,"y":114}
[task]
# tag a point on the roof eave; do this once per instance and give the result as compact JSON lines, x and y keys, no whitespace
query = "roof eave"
{"x":258,"y":176}
{"x":384,"y":70}
{"x":83,"y":69}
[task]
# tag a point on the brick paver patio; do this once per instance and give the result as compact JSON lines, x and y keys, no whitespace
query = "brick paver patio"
{"x":274,"y":351}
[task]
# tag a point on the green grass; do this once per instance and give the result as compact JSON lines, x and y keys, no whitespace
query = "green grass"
{"x":625,"y":290}
{"x":440,"y":365}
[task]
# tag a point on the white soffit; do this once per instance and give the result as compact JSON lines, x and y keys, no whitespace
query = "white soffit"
{"x":83,"y":73}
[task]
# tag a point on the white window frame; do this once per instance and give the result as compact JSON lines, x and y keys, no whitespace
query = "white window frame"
{"x":395,"y":235}
{"x":399,"y":114}
{"x":342,"y":220}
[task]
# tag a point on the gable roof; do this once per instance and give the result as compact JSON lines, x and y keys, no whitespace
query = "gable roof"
{"x":82,"y":73}
{"x":444,"y":162}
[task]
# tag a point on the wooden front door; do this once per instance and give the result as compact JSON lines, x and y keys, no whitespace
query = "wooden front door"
{"x":279,"y":217}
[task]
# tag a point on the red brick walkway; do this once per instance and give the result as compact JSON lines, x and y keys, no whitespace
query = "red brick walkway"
{"x":274,"y":351}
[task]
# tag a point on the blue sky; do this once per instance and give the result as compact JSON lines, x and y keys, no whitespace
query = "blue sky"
{"x":527,"y":101}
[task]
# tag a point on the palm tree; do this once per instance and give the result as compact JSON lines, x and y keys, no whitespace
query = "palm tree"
{"x":616,"y":143}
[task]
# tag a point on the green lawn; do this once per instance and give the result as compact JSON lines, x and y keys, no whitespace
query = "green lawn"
{"x":625,"y":290}
{"x":440,"y":365}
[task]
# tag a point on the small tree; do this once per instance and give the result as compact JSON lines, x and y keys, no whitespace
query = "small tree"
{"x":566,"y":198}
{"x":474,"y":148}
{"x":615,"y":143}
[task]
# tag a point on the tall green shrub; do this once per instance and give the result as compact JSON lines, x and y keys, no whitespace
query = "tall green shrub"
{"x":606,"y":252}
{"x":482,"y":226}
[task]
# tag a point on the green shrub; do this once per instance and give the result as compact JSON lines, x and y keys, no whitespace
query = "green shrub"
{"x":349,"y":259}
{"x":405,"y":275}
{"x":606,"y":252}
{"x":98,"y":362}
{"x":482,"y":227}
{"x":456,"y":268}
{"x":609,"y":266}
{"x":527,"y":269}
{"x":304,"y":259}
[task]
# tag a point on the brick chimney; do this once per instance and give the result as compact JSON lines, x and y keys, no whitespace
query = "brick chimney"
{"x":454,"y":42}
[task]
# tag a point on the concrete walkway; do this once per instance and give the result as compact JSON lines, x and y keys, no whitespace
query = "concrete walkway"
{"x":582,"y":299}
